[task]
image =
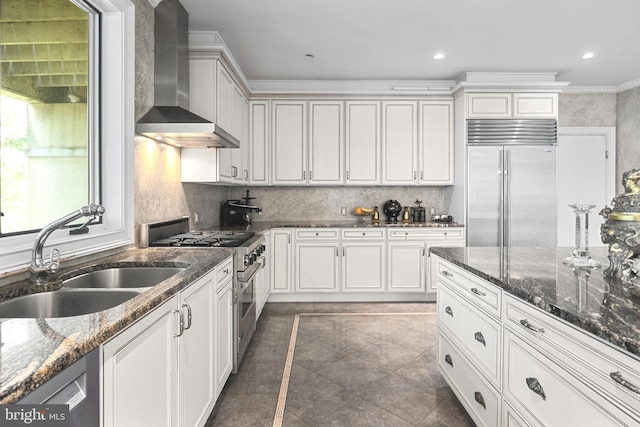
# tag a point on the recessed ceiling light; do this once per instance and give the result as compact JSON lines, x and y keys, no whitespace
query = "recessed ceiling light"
{"x":309,"y":56}
{"x":588,"y":55}
{"x":438,"y":56}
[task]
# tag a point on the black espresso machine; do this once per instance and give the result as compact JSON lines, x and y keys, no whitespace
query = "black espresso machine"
{"x":238,"y":212}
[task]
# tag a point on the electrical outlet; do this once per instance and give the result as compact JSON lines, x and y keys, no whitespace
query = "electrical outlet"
{"x":195,"y":217}
{"x":343,"y":210}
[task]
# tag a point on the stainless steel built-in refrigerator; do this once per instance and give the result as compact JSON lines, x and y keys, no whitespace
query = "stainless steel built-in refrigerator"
{"x":511,"y":186}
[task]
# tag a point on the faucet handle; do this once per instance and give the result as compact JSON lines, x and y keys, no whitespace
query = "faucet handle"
{"x":54,"y":261}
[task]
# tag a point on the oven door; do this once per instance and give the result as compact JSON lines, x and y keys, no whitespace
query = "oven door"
{"x":245,"y":312}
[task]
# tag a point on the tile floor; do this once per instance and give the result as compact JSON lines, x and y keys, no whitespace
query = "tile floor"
{"x":348,"y":370}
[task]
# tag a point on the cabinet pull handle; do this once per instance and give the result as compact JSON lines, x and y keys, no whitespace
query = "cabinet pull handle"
{"x":188,"y":307}
{"x":304,"y":175}
{"x":478,"y":397}
{"x":246,"y":174}
{"x":617,"y":377}
{"x":347,"y":175}
{"x":536,"y":387}
{"x":446,"y":273}
{"x":415,"y":175}
{"x":528,"y":325}
{"x":343,"y":251}
{"x":448,"y":310}
{"x":478,"y":292}
{"x":447,"y":359}
{"x":337,"y":251}
{"x":480,"y":338}
{"x":180,"y":323}
{"x":421,"y":175}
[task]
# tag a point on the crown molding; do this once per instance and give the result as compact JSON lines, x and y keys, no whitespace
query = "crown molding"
{"x":590,"y":89}
{"x":352,"y":87}
{"x":154,"y":3}
{"x":210,"y":43}
{"x":629,"y":85}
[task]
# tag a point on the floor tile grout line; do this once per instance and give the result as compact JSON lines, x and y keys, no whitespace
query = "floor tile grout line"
{"x":286,"y":374}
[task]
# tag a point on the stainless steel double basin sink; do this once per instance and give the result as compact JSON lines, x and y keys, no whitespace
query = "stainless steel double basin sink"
{"x":86,"y":293}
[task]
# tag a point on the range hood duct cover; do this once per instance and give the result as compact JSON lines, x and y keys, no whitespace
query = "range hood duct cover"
{"x":170,"y":120}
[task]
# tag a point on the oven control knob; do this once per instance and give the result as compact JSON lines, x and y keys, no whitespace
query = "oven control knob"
{"x":263,"y":248}
{"x":254,"y":257}
{"x":247,"y":260}
{"x":259,"y":250}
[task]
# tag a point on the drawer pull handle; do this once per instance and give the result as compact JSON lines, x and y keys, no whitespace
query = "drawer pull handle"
{"x":478,"y":292}
{"x":536,"y":387}
{"x":480,"y":338}
{"x":446,"y":273}
{"x":617,"y":377}
{"x":528,"y":325}
{"x":478,"y":396}
{"x":448,"y":310}
{"x":447,"y":359}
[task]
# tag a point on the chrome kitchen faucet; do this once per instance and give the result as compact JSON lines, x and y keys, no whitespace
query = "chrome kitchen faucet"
{"x":40,"y":269}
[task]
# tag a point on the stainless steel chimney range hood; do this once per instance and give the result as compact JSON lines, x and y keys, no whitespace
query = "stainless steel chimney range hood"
{"x":170,"y":120}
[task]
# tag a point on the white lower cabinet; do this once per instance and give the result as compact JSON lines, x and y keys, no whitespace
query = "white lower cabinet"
{"x":363,"y":266}
{"x":195,"y":352}
{"x":349,"y":264}
{"x":139,"y":385}
{"x":480,"y":399}
{"x":161,"y":371}
{"x":224,"y":335}
{"x":474,"y":332}
{"x":549,"y":395}
{"x":280,"y":260}
{"x":317,"y":266}
{"x":406,"y":266}
{"x":546,"y":372}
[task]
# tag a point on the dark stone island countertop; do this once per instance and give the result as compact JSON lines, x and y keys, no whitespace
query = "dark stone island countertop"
{"x":33,"y":351}
{"x":607,"y":308}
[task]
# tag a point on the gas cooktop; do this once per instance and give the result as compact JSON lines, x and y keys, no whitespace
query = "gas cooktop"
{"x":208,"y":239}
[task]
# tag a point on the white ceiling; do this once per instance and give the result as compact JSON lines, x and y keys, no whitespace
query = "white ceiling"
{"x":396,"y":39}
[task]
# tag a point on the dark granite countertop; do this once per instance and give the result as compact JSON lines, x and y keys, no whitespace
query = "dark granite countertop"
{"x":261,"y":226}
{"x":607,"y":308}
{"x":34,"y":350}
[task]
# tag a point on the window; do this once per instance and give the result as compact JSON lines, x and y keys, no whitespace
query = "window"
{"x":110,"y":25}
{"x":47,"y":69}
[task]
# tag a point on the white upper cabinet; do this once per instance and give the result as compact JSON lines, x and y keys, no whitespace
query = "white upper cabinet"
{"x":326,"y":142}
{"x":512,"y":106}
{"x":362,"y":142}
{"x":259,"y":146}
{"x":399,"y":142}
{"x":289,"y":142}
{"x":435,"y":138}
{"x":214,"y":95}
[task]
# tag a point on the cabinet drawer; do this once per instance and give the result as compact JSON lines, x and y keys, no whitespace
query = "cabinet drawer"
{"x":480,"y":400}
{"x":545,"y":392}
{"x":426,"y":233}
{"x":482,"y":293}
{"x":317,"y":234}
{"x":592,"y":360}
{"x":478,"y":335}
{"x":225,"y":272}
{"x":360,"y":234}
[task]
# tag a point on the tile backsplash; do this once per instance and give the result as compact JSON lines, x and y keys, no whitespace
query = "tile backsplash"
{"x":325,"y":203}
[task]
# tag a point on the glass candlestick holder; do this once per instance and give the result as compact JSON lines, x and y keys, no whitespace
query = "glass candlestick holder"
{"x":581,"y":258}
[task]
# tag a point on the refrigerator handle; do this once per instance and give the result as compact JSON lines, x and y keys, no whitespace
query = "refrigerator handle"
{"x":501,"y":205}
{"x":507,"y":200}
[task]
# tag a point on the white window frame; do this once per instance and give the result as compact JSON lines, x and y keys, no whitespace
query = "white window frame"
{"x":116,"y":133}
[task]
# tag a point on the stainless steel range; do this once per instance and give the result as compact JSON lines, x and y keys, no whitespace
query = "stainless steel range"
{"x":248,"y":260}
